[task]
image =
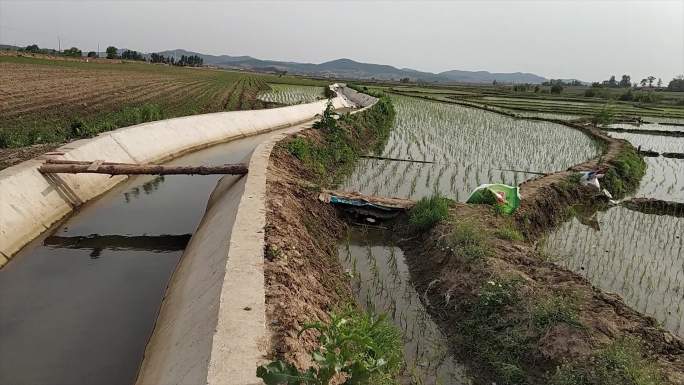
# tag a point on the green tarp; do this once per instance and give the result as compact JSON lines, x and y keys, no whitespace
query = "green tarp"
{"x":507,"y":198}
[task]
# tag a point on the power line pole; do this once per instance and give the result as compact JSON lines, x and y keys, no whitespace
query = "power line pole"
{"x":59,"y":45}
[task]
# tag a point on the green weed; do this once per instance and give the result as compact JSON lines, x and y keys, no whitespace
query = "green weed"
{"x":428,"y":211}
{"x":554,"y":309}
{"x":509,"y":232}
{"x":364,"y":348}
{"x":620,"y":363}
{"x":469,"y":241}
{"x":628,"y":169}
{"x":494,"y":340}
{"x":344,"y":141}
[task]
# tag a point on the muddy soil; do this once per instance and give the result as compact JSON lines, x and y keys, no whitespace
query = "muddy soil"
{"x":304,"y":279}
{"x":448,"y":282}
{"x":12,"y":156}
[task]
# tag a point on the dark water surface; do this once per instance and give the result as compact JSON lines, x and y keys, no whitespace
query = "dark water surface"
{"x":78,"y":304}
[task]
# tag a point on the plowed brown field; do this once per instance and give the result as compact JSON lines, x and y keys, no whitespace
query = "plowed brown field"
{"x":46,"y":101}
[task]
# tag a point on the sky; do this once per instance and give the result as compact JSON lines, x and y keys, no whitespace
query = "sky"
{"x":583,"y":39}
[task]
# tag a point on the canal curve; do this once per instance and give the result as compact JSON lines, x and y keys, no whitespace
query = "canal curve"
{"x":79,"y":303}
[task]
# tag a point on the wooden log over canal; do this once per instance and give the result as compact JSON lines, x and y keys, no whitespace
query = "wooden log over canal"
{"x":56,"y":166}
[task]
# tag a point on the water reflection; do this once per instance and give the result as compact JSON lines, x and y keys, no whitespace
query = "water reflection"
{"x":634,"y":254}
{"x":97,"y":243}
{"x":381,"y":283}
{"x":147,"y":188}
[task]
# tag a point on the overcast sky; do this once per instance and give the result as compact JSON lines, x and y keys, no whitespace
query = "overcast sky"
{"x":585,"y":39}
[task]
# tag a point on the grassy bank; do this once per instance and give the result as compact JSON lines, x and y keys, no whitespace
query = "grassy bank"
{"x":332,"y":152}
{"x":305,"y":282}
{"x":515,"y":318}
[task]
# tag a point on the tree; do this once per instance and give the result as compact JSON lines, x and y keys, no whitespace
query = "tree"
{"x":32,"y":48}
{"x":626,"y":81}
{"x":73,"y":51}
{"x":131,"y":55}
{"x":660,"y":82}
{"x":92,"y":54}
{"x":405,"y":80}
{"x":676,"y":84}
{"x":556,"y":88}
{"x":612,"y":82}
{"x":112,"y":52}
{"x":643,"y":82}
{"x":650,"y":81}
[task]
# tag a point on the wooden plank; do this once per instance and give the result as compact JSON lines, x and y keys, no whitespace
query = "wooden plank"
{"x":151,"y":169}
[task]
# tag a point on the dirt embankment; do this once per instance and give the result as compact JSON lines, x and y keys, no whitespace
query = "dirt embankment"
{"x":304,"y":279}
{"x":511,"y":315}
{"x":515,"y":317}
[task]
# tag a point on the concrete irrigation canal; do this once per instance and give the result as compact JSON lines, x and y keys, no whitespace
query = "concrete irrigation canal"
{"x":80,"y":302}
{"x":80,"y":296}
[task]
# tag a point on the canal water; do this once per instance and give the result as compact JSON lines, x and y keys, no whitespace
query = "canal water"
{"x":78,"y":304}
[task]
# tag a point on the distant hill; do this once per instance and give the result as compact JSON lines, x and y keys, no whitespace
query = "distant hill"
{"x":488,"y":77}
{"x":350,"y":69}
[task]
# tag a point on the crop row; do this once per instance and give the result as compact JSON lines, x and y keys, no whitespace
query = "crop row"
{"x":634,"y":254}
{"x":468,"y":147}
{"x":44,"y":101}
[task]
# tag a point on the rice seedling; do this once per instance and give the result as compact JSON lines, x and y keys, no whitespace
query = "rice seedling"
{"x":652,"y":142}
{"x":634,"y":254}
{"x":469,"y":147}
{"x":288,"y":94}
{"x":382,"y":283}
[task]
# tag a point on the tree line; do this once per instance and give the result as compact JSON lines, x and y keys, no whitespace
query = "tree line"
{"x":626,"y":81}
{"x":113,"y":53}
{"x":190,"y":61}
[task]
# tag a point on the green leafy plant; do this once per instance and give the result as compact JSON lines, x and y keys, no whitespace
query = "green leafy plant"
{"x":360,"y":347}
{"x":328,"y":121}
{"x":428,"y":211}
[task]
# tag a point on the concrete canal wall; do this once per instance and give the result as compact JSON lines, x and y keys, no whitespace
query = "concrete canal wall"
{"x":212,"y":325}
{"x":31,"y":202}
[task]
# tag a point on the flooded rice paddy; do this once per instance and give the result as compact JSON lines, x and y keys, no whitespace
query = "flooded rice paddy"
{"x":291,"y":94}
{"x":381,"y":284}
{"x":656,"y":143}
{"x":469,"y":147}
{"x":664,"y":179}
{"x":639,"y":256}
{"x":648,"y":126}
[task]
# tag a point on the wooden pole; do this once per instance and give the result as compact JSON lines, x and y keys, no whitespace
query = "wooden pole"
{"x":134,"y":169}
{"x":87,"y":162}
{"x":394,"y":159}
